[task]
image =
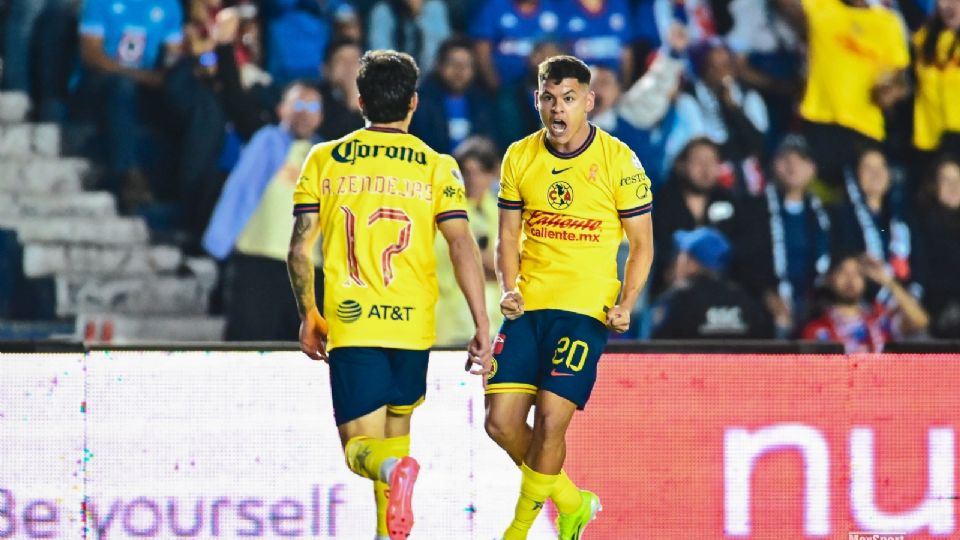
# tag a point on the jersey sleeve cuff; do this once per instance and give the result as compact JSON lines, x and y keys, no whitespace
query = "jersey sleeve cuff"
{"x":306,"y":208}
{"x":507,"y":204}
{"x":452,"y":214}
{"x":637,"y":211}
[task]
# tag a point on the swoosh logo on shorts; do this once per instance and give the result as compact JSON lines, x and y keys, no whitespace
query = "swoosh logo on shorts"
{"x":556,"y":373}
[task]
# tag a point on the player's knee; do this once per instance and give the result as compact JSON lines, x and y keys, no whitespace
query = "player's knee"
{"x":500,"y":429}
{"x":552,"y":425}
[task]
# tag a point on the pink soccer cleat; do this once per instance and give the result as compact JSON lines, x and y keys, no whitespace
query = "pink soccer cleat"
{"x":399,"y":502}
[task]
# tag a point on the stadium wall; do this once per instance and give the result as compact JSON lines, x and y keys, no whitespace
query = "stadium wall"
{"x":231,"y":444}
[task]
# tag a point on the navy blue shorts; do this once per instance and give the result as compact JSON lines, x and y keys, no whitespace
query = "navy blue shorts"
{"x":548,"y":349}
{"x":363,"y":379}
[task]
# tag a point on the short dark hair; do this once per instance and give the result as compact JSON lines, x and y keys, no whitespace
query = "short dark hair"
{"x":866,"y":150}
{"x":338,"y":44}
{"x":557,"y":68}
{"x":479,"y":148}
{"x":604,"y":67}
{"x":697,"y":142}
{"x":387,"y":82}
{"x":453,"y":42}
{"x":841,"y":256}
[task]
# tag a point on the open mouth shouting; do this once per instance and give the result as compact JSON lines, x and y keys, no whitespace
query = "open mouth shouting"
{"x":557,"y":128}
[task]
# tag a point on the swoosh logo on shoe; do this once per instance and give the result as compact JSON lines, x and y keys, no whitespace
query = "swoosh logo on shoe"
{"x":555,"y":171}
{"x":556,"y":373}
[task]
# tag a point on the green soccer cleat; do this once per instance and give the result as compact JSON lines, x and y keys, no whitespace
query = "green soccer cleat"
{"x":571,"y":526}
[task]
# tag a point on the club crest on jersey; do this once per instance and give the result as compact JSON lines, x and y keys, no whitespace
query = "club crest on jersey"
{"x":643,"y":190}
{"x":560,"y":195}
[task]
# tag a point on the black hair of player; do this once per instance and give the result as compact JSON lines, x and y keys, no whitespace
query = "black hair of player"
{"x":387,"y":82}
{"x":338,"y":44}
{"x":558,"y":68}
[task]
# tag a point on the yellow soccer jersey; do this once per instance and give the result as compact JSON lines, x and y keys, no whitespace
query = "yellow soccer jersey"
{"x":380,"y":194}
{"x":572,"y":205}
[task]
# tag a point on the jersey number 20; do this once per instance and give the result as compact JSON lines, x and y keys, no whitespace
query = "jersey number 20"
{"x":386,"y":257}
{"x":573,"y":360}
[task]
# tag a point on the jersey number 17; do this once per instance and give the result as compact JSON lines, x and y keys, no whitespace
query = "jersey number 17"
{"x":386,"y":256}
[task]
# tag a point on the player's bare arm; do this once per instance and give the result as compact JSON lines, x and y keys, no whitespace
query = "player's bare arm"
{"x":300,"y":268}
{"x":465,"y":256}
{"x":639,"y":231}
{"x":508,"y":263}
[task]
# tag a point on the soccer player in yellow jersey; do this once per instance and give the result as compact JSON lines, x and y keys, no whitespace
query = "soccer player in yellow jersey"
{"x":378,"y":196}
{"x":568,"y":194}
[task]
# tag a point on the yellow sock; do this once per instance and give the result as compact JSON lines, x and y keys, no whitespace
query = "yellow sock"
{"x":365,"y":455}
{"x":566,"y":494}
{"x":535,"y":489}
{"x":381,"y":495}
{"x":399,"y":447}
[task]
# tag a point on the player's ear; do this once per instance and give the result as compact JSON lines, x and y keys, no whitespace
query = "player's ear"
{"x":536,"y":99}
{"x":360,"y":102}
{"x":591,"y":100}
{"x":414,"y":101}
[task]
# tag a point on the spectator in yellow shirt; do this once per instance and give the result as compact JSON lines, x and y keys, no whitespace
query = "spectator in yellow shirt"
{"x":936,"y":109}
{"x":480,"y":163}
{"x":857,"y":55}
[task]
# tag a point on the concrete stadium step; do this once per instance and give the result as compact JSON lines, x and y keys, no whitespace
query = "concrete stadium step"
{"x":41,"y":260}
{"x":26,"y":140}
{"x":88,"y":204}
{"x":43,"y":176}
{"x":70,"y":230}
{"x":204,"y":269}
{"x":14,"y":107}
{"x":151,"y":295}
{"x":121,"y":329}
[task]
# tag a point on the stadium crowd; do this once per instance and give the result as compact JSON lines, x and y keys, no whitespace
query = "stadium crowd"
{"x":803,"y":153}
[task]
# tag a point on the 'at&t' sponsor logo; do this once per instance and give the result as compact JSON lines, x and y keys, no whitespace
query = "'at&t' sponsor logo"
{"x":352,"y":150}
{"x":350,"y":311}
{"x":387,"y":312}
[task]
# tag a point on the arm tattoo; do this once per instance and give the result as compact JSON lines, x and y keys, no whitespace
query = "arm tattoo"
{"x":300,"y":226}
{"x":300,"y":268}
